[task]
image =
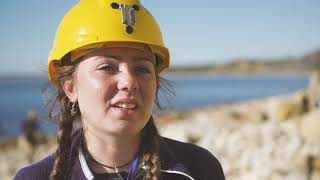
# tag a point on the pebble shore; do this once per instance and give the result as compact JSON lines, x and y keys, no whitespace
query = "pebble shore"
{"x":251,"y":146}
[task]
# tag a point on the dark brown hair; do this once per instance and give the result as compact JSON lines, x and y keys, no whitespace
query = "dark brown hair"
{"x":150,"y":137}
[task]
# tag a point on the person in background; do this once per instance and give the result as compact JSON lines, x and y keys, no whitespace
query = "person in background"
{"x":31,"y":135}
{"x":105,"y":66}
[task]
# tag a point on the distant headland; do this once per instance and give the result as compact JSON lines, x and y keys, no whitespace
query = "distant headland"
{"x":290,"y":65}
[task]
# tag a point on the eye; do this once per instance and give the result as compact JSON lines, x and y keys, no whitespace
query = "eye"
{"x":107,"y":68}
{"x":142,"y":70}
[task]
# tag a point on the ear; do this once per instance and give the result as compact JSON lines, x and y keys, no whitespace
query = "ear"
{"x":69,"y":89}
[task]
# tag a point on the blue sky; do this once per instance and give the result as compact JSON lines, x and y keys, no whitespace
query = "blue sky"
{"x":196,"y":32}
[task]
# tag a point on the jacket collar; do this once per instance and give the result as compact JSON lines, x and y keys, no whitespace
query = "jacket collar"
{"x":169,"y":163}
{"x":84,"y":166}
{"x":81,"y":170}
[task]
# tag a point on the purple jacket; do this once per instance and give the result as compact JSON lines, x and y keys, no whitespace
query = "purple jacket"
{"x":179,"y":161}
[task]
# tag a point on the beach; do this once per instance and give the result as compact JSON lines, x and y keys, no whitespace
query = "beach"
{"x":269,"y":138}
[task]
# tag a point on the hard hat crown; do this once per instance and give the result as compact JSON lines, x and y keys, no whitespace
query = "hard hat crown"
{"x":93,"y":22}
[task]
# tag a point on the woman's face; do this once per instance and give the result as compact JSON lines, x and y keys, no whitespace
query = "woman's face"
{"x":115,"y":89}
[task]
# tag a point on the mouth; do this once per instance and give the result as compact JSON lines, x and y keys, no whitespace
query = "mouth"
{"x":126,"y":109}
{"x":128,"y":106}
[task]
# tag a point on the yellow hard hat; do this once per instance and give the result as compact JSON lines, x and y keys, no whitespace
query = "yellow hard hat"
{"x":91,"y":23}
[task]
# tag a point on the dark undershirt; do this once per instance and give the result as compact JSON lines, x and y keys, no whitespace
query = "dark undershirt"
{"x":110,"y":176}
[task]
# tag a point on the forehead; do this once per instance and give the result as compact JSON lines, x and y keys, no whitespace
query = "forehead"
{"x":123,"y":53}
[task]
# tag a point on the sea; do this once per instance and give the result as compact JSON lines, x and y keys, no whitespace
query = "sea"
{"x":20,"y":95}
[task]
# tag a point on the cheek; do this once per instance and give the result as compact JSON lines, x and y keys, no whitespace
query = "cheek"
{"x":87,"y":88}
{"x":149,"y":90}
{"x":94,"y":91}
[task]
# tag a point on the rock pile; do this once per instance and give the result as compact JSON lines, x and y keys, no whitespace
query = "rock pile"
{"x":275,"y":138}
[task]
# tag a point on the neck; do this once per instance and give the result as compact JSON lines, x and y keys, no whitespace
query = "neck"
{"x":111,"y":150}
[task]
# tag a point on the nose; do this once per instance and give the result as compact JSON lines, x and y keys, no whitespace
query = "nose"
{"x":127,"y":81}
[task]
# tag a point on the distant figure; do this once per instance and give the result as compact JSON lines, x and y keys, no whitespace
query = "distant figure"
{"x":31,"y":135}
{"x":305,"y":104}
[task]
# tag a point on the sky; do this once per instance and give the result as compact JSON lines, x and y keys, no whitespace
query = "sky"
{"x":196,"y":32}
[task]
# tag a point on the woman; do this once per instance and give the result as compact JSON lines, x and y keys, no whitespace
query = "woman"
{"x":105,"y":66}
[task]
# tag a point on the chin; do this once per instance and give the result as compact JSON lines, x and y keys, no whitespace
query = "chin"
{"x":127,"y":130}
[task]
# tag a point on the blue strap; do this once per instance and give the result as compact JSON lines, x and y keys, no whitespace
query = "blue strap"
{"x":132,"y":168}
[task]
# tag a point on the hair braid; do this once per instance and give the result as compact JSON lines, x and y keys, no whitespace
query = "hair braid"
{"x":150,"y":145}
{"x":151,"y":137}
{"x":61,"y":167}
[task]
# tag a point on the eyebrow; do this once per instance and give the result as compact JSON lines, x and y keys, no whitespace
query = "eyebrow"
{"x":149,"y":59}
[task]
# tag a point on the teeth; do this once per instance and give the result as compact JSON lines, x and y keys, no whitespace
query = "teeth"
{"x":126,"y":105}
